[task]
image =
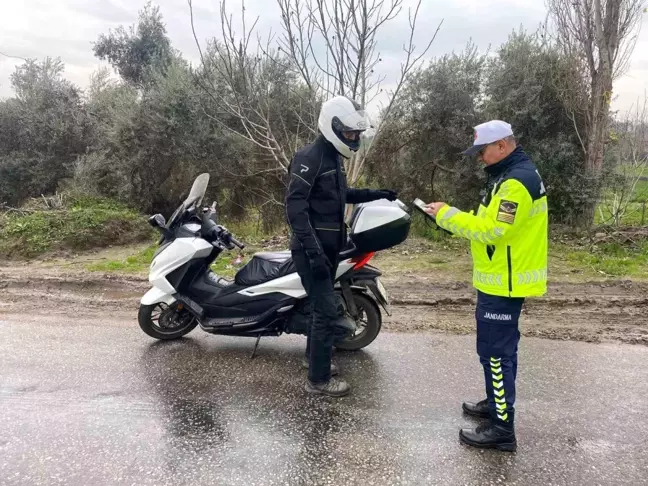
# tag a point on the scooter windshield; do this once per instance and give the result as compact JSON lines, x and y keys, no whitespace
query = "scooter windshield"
{"x":198,"y":190}
{"x":195,"y":197}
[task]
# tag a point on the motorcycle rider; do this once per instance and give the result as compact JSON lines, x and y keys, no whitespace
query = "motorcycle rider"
{"x":315,"y":201}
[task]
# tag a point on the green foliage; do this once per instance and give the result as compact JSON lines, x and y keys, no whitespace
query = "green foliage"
{"x":42,"y":131}
{"x":612,"y":259}
{"x":224,"y":268}
{"x":246,"y":231}
{"x":640,"y":193}
{"x":142,"y":139}
{"x":632,"y":214}
{"x":133,"y":264}
{"x":18,"y":175}
{"x":87,"y":223}
{"x":251,"y":228}
{"x":135,"y":52}
{"x":149,"y":146}
{"x":419,"y":151}
{"x":523,"y":87}
{"x":141,"y":261}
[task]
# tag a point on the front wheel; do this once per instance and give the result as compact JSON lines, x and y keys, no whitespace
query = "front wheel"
{"x":162,"y":321}
{"x":369,"y":323}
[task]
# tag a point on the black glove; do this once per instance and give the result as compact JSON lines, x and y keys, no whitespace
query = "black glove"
{"x":320,"y":266}
{"x":386,"y":194}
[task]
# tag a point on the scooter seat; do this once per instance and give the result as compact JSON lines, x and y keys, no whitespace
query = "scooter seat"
{"x":278,"y":256}
{"x":262,"y":268}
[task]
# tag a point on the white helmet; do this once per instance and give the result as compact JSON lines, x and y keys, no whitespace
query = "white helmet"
{"x":341,"y":114}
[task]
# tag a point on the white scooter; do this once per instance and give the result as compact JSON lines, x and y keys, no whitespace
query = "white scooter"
{"x":266,"y":297}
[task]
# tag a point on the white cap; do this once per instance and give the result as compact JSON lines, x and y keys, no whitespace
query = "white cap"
{"x":487,"y":133}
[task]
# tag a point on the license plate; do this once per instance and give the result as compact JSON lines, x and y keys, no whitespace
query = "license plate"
{"x":382,"y":290}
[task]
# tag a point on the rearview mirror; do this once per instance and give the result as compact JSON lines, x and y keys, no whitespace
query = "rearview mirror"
{"x":214,"y":212}
{"x":157,"y":221}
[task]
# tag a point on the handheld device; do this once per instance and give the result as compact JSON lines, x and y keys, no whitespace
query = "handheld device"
{"x":420,"y":205}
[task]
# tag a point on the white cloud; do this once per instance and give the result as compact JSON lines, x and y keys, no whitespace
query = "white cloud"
{"x":67,"y":28}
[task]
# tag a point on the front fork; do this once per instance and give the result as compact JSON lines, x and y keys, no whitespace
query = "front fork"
{"x":368,"y":285}
{"x":372,"y":285}
{"x":347,"y":293}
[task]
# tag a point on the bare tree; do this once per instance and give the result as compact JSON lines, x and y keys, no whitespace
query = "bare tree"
{"x":238,"y":81}
{"x":627,"y":190}
{"x":334,"y":46}
{"x":600,"y":37}
{"x":331,"y":46}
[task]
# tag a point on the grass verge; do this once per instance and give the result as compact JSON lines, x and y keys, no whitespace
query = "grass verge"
{"x":225,"y":266}
{"x":610,"y":260}
{"x":83,"y":224}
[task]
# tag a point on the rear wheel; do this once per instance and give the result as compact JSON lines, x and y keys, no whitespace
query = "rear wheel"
{"x":162,"y":321}
{"x":369,"y":323}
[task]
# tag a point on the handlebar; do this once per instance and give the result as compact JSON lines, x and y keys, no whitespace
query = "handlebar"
{"x":236,"y":242}
{"x":222,"y":237}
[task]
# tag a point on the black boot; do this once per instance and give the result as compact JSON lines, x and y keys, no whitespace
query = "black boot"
{"x":490,"y":436}
{"x":479,"y":409}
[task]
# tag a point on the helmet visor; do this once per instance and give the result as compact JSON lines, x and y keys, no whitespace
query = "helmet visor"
{"x":351,"y":137}
{"x":349,"y":128}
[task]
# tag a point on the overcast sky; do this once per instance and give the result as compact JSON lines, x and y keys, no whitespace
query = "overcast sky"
{"x":67,"y":28}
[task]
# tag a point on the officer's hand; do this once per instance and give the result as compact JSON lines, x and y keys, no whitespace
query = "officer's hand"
{"x":320,"y":266}
{"x":433,"y":208}
{"x":387,"y":194}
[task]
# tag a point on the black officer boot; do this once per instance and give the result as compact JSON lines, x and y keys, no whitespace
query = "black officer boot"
{"x":500,"y":436}
{"x":479,"y":409}
{"x":333,"y":388}
{"x":335,"y":370}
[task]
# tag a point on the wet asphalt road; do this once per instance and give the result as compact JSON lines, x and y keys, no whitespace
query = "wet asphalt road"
{"x":87,"y":403}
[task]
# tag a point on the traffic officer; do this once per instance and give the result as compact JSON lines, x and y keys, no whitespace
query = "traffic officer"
{"x":316,"y":200}
{"x":509,"y":250}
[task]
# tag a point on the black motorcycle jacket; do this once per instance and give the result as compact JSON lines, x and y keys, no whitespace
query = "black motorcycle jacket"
{"x":317,"y":196}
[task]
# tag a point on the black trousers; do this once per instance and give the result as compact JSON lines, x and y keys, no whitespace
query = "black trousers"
{"x":498,"y":336}
{"x":322,"y":302}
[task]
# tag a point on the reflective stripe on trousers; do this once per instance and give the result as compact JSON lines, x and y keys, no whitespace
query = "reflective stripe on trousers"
{"x":497,"y":346}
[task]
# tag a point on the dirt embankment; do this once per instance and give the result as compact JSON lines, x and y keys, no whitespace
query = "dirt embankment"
{"x":589,"y":311}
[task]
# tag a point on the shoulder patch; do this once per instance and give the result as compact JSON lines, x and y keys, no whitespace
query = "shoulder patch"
{"x":506,"y":211}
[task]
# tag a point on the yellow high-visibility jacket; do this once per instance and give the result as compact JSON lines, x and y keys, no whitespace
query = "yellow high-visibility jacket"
{"x":509,"y":234}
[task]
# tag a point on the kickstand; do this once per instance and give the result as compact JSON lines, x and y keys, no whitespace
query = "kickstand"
{"x":256,"y":345}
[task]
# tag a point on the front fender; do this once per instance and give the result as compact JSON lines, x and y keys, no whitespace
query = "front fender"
{"x":374,"y":293}
{"x":157,"y":296}
{"x":368,"y":272}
